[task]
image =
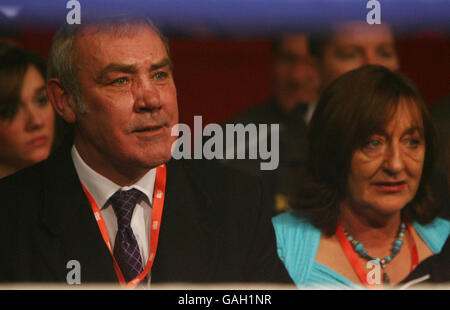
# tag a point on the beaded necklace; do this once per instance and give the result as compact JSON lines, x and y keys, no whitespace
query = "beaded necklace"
{"x":358,"y":247}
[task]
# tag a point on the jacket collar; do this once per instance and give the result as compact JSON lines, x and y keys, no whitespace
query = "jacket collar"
{"x":68,"y":216}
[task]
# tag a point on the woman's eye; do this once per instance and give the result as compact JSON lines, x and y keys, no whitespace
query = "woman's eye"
{"x":413,"y":143}
{"x":373,"y":144}
{"x":42,"y":101}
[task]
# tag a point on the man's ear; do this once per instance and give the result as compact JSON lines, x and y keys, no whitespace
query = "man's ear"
{"x":61,"y":100}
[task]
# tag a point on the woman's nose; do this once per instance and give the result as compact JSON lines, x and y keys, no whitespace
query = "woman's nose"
{"x":393,"y":161}
{"x":34,"y":118}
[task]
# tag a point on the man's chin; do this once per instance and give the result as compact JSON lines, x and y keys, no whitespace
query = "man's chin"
{"x":154,"y":160}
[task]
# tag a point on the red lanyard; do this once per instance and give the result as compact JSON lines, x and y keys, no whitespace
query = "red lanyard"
{"x":354,"y":259}
{"x":157,"y":209}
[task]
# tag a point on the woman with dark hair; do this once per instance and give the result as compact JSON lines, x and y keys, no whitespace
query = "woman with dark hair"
{"x":27,"y":120}
{"x":364,"y":213}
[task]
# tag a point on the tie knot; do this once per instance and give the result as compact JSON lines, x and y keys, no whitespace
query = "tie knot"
{"x":123,"y":203}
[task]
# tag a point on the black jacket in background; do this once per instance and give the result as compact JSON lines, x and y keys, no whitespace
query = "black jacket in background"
{"x":437,"y":267}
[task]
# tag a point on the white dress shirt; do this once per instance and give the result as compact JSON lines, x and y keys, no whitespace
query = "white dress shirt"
{"x":102,"y":189}
{"x":311,"y":107}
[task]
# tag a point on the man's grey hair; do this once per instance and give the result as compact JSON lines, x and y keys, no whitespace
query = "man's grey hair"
{"x":61,"y":62}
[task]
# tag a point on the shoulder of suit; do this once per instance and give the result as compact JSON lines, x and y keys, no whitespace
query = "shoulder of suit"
{"x":21,"y":193}
{"x":220,"y":181}
{"x":26,"y":179}
{"x":215,"y":171}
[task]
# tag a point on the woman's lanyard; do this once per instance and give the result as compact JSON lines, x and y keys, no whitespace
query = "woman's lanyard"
{"x":354,"y":259}
{"x":157,"y":209}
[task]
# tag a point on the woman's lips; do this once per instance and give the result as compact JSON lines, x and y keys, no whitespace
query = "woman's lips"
{"x":38,"y":142}
{"x":390,"y":187}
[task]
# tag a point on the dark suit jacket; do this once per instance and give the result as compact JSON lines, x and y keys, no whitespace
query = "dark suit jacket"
{"x":436,"y":266}
{"x":215,"y":227}
{"x":281,"y":182}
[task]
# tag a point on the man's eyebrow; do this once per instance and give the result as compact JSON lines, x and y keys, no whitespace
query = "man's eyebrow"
{"x":163,"y":63}
{"x":116,"y":67}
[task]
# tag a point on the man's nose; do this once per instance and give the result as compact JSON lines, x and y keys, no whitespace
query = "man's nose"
{"x":302,"y":70}
{"x":393,"y":160}
{"x":370,"y":58}
{"x":147,"y":97}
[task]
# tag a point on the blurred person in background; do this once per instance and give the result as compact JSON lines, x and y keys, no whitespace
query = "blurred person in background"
{"x":441,"y":179}
{"x":441,"y":117}
{"x":347,"y":45}
{"x":9,"y":31}
{"x":365,"y":192}
{"x":304,"y":65}
{"x":27,"y":120}
{"x":296,"y":83}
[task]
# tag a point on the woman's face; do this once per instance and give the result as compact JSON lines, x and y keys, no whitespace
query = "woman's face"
{"x":27,"y":137}
{"x":385,"y":173}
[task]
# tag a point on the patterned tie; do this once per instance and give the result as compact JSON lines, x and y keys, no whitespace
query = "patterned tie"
{"x":126,"y":248}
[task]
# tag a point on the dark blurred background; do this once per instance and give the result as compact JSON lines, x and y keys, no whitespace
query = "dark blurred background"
{"x":222,"y":49}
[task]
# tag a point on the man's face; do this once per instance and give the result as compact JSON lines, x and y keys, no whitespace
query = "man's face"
{"x":296,"y":76}
{"x":355,"y":44}
{"x":128,"y":90}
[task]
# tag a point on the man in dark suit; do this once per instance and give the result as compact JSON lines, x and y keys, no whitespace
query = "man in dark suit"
{"x":96,"y":201}
{"x":295,"y":87}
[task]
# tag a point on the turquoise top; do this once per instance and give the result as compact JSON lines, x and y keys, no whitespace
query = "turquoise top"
{"x":298,"y":241}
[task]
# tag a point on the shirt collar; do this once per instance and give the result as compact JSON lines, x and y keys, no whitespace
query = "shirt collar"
{"x":309,"y":113}
{"x":102,"y":188}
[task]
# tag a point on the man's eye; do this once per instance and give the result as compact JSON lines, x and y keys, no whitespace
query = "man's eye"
{"x":347,"y":53}
{"x":160,"y":75}
{"x":120,"y":81}
{"x":386,"y":54}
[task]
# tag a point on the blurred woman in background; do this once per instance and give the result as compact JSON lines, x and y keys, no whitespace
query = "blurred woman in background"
{"x":365,"y":214}
{"x":27,"y":120}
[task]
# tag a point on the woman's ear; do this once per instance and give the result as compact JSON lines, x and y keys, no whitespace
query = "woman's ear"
{"x":61,"y":100}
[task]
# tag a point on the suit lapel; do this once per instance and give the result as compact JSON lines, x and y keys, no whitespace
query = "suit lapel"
{"x":73,"y":231}
{"x":189,"y":239}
